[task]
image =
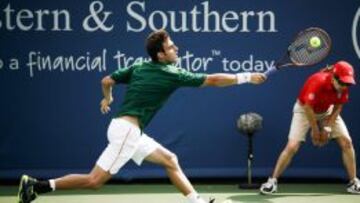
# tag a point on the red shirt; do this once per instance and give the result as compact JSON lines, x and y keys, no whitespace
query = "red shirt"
{"x":319,"y":92}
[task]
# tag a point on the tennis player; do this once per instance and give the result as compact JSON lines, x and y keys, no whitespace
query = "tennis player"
{"x":149,"y":85}
{"x":318,"y":107}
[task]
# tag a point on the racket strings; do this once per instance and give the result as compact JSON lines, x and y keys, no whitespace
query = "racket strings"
{"x":302,"y":53}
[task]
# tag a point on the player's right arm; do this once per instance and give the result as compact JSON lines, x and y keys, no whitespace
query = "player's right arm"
{"x":226,"y":79}
{"x":186,"y":78}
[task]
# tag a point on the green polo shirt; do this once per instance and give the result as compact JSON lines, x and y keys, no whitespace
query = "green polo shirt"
{"x":149,"y":85}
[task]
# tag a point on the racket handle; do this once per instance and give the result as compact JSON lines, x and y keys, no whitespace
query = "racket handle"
{"x":270,"y":71}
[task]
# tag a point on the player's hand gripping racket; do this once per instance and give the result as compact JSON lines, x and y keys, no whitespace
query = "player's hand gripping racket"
{"x":309,"y":47}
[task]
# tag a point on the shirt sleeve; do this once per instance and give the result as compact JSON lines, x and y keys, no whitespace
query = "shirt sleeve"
{"x":189,"y":79}
{"x":122,"y":75}
{"x":309,"y":92}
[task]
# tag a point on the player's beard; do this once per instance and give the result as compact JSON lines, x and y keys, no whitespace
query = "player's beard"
{"x":173,"y":59}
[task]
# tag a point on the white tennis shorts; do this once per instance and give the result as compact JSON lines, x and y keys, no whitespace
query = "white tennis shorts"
{"x":125,"y":142}
{"x":300,"y":124}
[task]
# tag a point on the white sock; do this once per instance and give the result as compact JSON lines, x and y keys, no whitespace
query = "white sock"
{"x":194,"y":197}
{"x":354,"y":180}
{"x":52,"y":184}
{"x":273,"y":180}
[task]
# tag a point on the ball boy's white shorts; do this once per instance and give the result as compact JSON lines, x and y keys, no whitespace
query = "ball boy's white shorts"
{"x":300,"y":124}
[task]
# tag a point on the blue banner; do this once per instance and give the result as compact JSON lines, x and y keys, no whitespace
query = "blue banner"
{"x":53,"y":56}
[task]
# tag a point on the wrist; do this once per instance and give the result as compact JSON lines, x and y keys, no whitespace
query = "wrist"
{"x":243,"y":78}
{"x":108,"y":98}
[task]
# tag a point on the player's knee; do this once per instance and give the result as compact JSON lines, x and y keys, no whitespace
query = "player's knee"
{"x":94,"y":182}
{"x":172,"y":161}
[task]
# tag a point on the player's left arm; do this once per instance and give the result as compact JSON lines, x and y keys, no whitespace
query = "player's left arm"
{"x":226,"y":79}
{"x":106,"y":85}
{"x":122,"y":75}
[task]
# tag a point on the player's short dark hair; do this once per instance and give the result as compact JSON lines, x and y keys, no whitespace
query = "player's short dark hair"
{"x":154,"y":43}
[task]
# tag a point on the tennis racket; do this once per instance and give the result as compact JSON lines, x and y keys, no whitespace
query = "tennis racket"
{"x":309,"y":47}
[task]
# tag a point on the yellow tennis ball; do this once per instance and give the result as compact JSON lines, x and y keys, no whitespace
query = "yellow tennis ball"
{"x":315,"y":42}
